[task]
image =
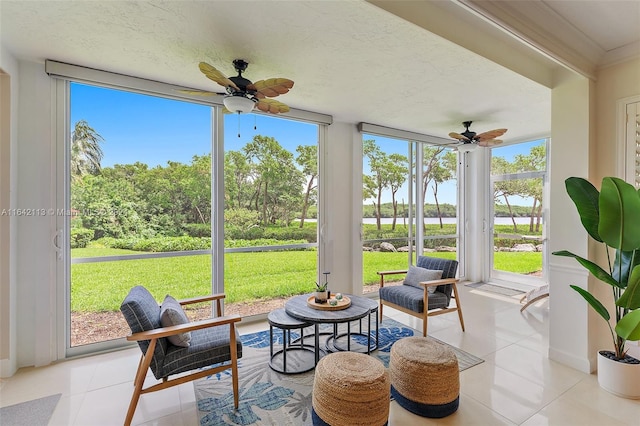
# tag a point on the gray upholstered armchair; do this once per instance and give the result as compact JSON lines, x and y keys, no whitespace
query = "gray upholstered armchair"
{"x":171,"y":344}
{"x":432,"y":283}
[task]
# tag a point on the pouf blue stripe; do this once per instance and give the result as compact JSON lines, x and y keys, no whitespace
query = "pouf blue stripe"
{"x":317,"y":421}
{"x":426,"y":410}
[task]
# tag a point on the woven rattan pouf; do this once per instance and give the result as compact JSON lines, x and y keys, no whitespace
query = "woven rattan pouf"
{"x":352,"y":389}
{"x":424,"y":376}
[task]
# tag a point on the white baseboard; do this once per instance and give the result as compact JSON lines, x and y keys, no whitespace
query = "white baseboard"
{"x":586,"y":365}
{"x":7,"y":368}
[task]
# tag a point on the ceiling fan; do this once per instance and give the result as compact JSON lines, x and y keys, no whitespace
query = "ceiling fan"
{"x":468,"y":140}
{"x":242,"y":95}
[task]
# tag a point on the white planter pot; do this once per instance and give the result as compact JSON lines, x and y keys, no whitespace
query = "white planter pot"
{"x":320,"y":296}
{"x":619,"y":378}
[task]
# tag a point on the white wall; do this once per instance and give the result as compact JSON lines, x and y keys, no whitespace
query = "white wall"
{"x":8,"y":224}
{"x":585,"y":133}
{"x":35,"y":256}
{"x":344,"y":165}
{"x":615,"y":83}
{"x":571,"y":133}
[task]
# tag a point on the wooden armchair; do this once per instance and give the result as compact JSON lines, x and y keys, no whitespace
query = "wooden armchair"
{"x":431,"y":289}
{"x":186,"y":346}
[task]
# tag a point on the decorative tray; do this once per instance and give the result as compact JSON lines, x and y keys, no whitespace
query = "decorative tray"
{"x":342,"y":304}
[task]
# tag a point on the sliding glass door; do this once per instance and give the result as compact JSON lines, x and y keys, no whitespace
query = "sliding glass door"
{"x":518,"y":185}
{"x":139,"y":206}
{"x":409,"y":204}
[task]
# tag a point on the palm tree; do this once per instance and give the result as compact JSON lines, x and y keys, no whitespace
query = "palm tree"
{"x":86,"y":153}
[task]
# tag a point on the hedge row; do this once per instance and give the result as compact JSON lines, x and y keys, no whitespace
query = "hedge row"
{"x":163,"y":244}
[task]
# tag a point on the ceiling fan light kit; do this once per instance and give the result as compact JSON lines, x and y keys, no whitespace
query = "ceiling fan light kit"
{"x":467,"y":147}
{"x":239,"y":104}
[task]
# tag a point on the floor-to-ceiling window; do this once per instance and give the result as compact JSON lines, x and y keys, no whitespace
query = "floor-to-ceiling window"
{"x":409,"y":204}
{"x":157,"y":189}
{"x":518,"y":212}
{"x":139,"y":175}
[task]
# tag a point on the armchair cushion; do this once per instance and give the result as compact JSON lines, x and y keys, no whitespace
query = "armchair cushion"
{"x":416,"y":275}
{"x":208,"y":346}
{"x":171,"y":313}
{"x":412,"y":297}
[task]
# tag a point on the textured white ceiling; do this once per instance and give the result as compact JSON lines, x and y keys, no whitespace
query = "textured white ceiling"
{"x":349,"y":59}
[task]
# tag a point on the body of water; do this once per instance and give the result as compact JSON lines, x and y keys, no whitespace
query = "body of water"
{"x":435,"y":220}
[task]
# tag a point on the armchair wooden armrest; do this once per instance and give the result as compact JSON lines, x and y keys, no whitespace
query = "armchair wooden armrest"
{"x":443,"y":281}
{"x":385,"y":273}
{"x":212,"y":297}
{"x":199,"y":299}
{"x":183,"y":328}
{"x":404,"y":271}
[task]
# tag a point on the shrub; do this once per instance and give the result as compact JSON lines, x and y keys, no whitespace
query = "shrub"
{"x":158,"y":244}
{"x":261,"y":242}
{"x":200,"y":230}
{"x":80,"y":237}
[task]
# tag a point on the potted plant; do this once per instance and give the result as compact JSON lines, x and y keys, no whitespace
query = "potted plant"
{"x":321,"y":293}
{"x":611,"y":216}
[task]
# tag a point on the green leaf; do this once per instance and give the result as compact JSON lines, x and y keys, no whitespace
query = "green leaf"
{"x":630,"y":299}
{"x":624,"y":263}
{"x":595,"y":303}
{"x":629,"y":326}
{"x":595,"y":269}
{"x":585,"y":196}
{"x":619,"y":206}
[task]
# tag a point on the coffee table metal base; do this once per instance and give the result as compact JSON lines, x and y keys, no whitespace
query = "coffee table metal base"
{"x":360,"y":308}
{"x":295,"y":356}
{"x":334,"y":345}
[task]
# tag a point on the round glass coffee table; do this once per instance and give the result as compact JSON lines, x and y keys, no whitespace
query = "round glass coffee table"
{"x":360,"y":307}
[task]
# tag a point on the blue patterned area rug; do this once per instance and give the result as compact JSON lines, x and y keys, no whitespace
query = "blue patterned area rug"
{"x":270,"y":398}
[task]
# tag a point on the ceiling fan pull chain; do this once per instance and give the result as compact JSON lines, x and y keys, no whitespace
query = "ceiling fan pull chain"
{"x":255,"y":122}
{"x":238,"y":124}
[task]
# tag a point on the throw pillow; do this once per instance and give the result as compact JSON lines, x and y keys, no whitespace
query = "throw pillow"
{"x":416,"y":275}
{"x":171,"y":313}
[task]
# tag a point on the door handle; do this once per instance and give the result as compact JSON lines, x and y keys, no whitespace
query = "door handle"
{"x":57,"y":236}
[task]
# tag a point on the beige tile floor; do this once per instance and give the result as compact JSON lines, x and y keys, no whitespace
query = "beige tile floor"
{"x":516,"y":385}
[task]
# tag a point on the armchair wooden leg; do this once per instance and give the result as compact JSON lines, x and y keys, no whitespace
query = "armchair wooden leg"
{"x":458,"y":305}
{"x":234,"y":366}
{"x":424,"y":324}
{"x":139,"y":381}
{"x":139,"y":372}
{"x":381,"y":285}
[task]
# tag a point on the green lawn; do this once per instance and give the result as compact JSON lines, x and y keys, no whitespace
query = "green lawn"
{"x":248,"y":276}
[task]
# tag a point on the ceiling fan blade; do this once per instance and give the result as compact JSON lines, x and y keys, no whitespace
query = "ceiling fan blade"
{"x":200,"y":92}
{"x":271,"y":87}
{"x":491,"y":134}
{"x":272,"y":106}
{"x":458,"y":136}
{"x":213,"y":74}
{"x":490,"y":142}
